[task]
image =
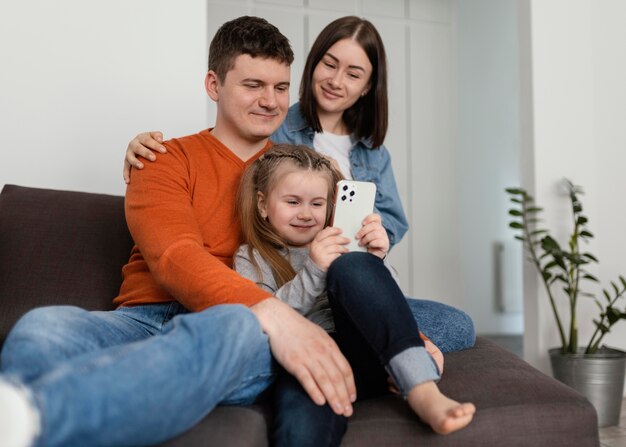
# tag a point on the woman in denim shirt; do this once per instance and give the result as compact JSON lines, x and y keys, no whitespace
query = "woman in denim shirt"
{"x":367,"y":164}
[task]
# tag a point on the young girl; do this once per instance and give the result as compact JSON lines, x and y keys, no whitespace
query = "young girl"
{"x":343,"y":112}
{"x":284,"y":204}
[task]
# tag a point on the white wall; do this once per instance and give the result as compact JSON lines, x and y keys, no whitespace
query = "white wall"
{"x":79,"y":79}
{"x":574,"y":128}
{"x":487,"y":159}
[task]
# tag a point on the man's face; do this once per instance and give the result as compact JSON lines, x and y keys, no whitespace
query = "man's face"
{"x":253,"y":99}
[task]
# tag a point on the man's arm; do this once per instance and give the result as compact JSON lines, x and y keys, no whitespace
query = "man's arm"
{"x":307,"y":352}
{"x":166,"y":228}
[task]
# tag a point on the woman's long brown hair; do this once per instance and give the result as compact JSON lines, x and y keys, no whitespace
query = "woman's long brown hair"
{"x":368,"y":117}
{"x":262,"y":176}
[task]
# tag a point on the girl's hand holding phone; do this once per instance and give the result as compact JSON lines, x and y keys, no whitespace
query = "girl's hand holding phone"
{"x":327,"y":246}
{"x":373,"y":236}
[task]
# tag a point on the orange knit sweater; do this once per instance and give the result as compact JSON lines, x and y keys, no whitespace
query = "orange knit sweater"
{"x":181,"y":214}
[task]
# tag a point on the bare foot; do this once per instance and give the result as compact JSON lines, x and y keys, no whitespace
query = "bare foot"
{"x":443,"y":414}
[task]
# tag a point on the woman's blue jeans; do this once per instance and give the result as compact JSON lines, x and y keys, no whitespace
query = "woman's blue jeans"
{"x":373,"y":324}
{"x":135,"y":376}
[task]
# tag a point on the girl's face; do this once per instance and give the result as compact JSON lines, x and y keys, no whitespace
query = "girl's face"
{"x":296,"y":206}
{"x":341,"y":77}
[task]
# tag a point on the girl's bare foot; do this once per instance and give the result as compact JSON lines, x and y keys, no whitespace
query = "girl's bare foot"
{"x":443,"y":414}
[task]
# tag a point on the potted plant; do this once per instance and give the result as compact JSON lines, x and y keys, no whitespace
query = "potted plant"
{"x":594,"y":370}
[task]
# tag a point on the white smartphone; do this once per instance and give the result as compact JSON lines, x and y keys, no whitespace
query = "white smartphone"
{"x":354,"y":200}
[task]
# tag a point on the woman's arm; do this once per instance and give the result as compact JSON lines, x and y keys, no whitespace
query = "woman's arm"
{"x":143,"y":145}
{"x":388,"y":202}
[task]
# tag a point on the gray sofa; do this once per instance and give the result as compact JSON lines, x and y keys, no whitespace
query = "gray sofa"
{"x":61,"y":247}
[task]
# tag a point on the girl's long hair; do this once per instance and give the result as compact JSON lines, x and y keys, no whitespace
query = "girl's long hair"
{"x":262,"y":176}
{"x":368,"y":117}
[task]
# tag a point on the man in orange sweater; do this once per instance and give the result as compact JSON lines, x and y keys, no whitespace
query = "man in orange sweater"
{"x":189,"y":333}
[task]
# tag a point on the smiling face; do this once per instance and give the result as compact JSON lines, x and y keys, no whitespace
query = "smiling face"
{"x":252,"y":102}
{"x":341,"y":77}
{"x":296,"y":205}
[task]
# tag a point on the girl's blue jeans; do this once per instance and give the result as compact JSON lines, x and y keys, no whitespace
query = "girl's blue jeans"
{"x":373,"y":323}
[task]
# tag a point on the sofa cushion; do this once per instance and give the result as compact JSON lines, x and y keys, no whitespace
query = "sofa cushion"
{"x":517,"y":406}
{"x":59,"y":247}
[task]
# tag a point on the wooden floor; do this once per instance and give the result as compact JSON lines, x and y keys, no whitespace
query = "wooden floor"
{"x":615,"y":436}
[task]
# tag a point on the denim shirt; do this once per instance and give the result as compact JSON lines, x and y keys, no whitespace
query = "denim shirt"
{"x":366,"y":163}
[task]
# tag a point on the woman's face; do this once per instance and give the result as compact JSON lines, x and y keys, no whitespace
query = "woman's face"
{"x":341,"y":77}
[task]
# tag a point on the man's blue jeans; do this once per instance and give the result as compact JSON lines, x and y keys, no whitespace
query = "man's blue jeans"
{"x":135,"y":376}
{"x":141,"y":375}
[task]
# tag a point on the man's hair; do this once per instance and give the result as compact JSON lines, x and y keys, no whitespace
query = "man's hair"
{"x":262,"y":176}
{"x":368,"y":117}
{"x":247,"y":35}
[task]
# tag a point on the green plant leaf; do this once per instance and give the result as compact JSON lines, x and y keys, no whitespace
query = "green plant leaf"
{"x":615,"y":288}
{"x":548,"y":243}
{"x":516,"y":201}
{"x":515,"y":191}
{"x":519,"y":238}
{"x":538,"y":232}
{"x":601,"y":327}
{"x":534,"y":209}
{"x":559,"y":260}
{"x":606,"y":295}
{"x":516,"y":225}
{"x":550,"y":265}
{"x":514,"y":212}
{"x":582,"y":220}
{"x":590,"y":257}
{"x":613,"y":315}
{"x":586,"y":234}
{"x":590,"y":277}
{"x":574,"y":259}
{"x":599,"y":304}
{"x":623,"y":280}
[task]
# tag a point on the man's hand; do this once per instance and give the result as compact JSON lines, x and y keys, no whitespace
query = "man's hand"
{"x":143,"y":145}
{"x":308,"y":353}
{"x":373,"y":236}
{"x":327,"y":246}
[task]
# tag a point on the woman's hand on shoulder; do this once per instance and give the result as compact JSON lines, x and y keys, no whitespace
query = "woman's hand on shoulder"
{"x":143,"y":145}
{"x":373,"y":236}
{"x":327,"y":246}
